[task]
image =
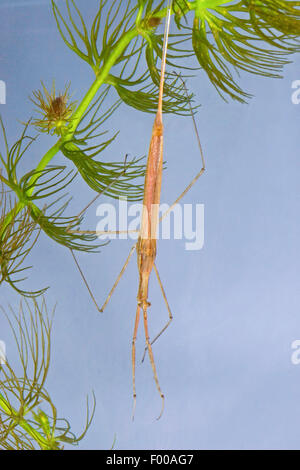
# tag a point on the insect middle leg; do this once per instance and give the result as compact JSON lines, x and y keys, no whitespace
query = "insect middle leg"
{"x":118,"y":278}
{"x":104,"y":232}
{"x":113,"y":287}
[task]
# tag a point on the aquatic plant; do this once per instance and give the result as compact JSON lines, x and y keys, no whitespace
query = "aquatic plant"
{"x":28,"y":416}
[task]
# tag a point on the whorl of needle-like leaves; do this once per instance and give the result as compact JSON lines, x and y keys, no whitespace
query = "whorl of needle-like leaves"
{"x":252,"y":35}
{"x":255,"y":36}
{"x":55,"y":109}
{"x":28,"y":416}
{"x":83,"y":149}
{"x":39,"y":186}
{"x":18,"y":235}
{"x":113,"y":23}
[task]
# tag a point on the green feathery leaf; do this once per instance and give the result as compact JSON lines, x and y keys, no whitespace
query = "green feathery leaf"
{"x":59,"y":228}
{"x":18,"y":235}
{"x":28,"y":417}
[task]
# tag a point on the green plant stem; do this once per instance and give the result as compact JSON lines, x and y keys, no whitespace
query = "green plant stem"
{"x":100,"y":80}
{"x":196,"y":5}
{"x":43,"y":443}
{"x":77,"y":116}
{"x":43,"y":163}
{"x":101,"y":77}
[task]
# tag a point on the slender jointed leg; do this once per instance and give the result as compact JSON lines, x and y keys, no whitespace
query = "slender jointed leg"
{"x":101,"y":193}
{"x":85,"y":281}
{"x":99,"y":233}
{"x":151,"y":357}
{"x":94,"y":199}
{"x":102,"y":232}
{"x":168,"y":308}
{"x":114,"y":286}
{"x":202,"y":159}
{"x":118,"y":278}
{"x":136,"y":325}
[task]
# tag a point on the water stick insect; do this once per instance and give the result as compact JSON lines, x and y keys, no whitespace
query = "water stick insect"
{"x":147,"y":238}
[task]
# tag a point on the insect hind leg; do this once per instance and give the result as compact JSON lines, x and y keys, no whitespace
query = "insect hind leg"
{"x":151,"y":357}
{"x":168,"y":308}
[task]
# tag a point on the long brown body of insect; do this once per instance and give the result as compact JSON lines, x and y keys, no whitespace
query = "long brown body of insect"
{"x":146,"y":244}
